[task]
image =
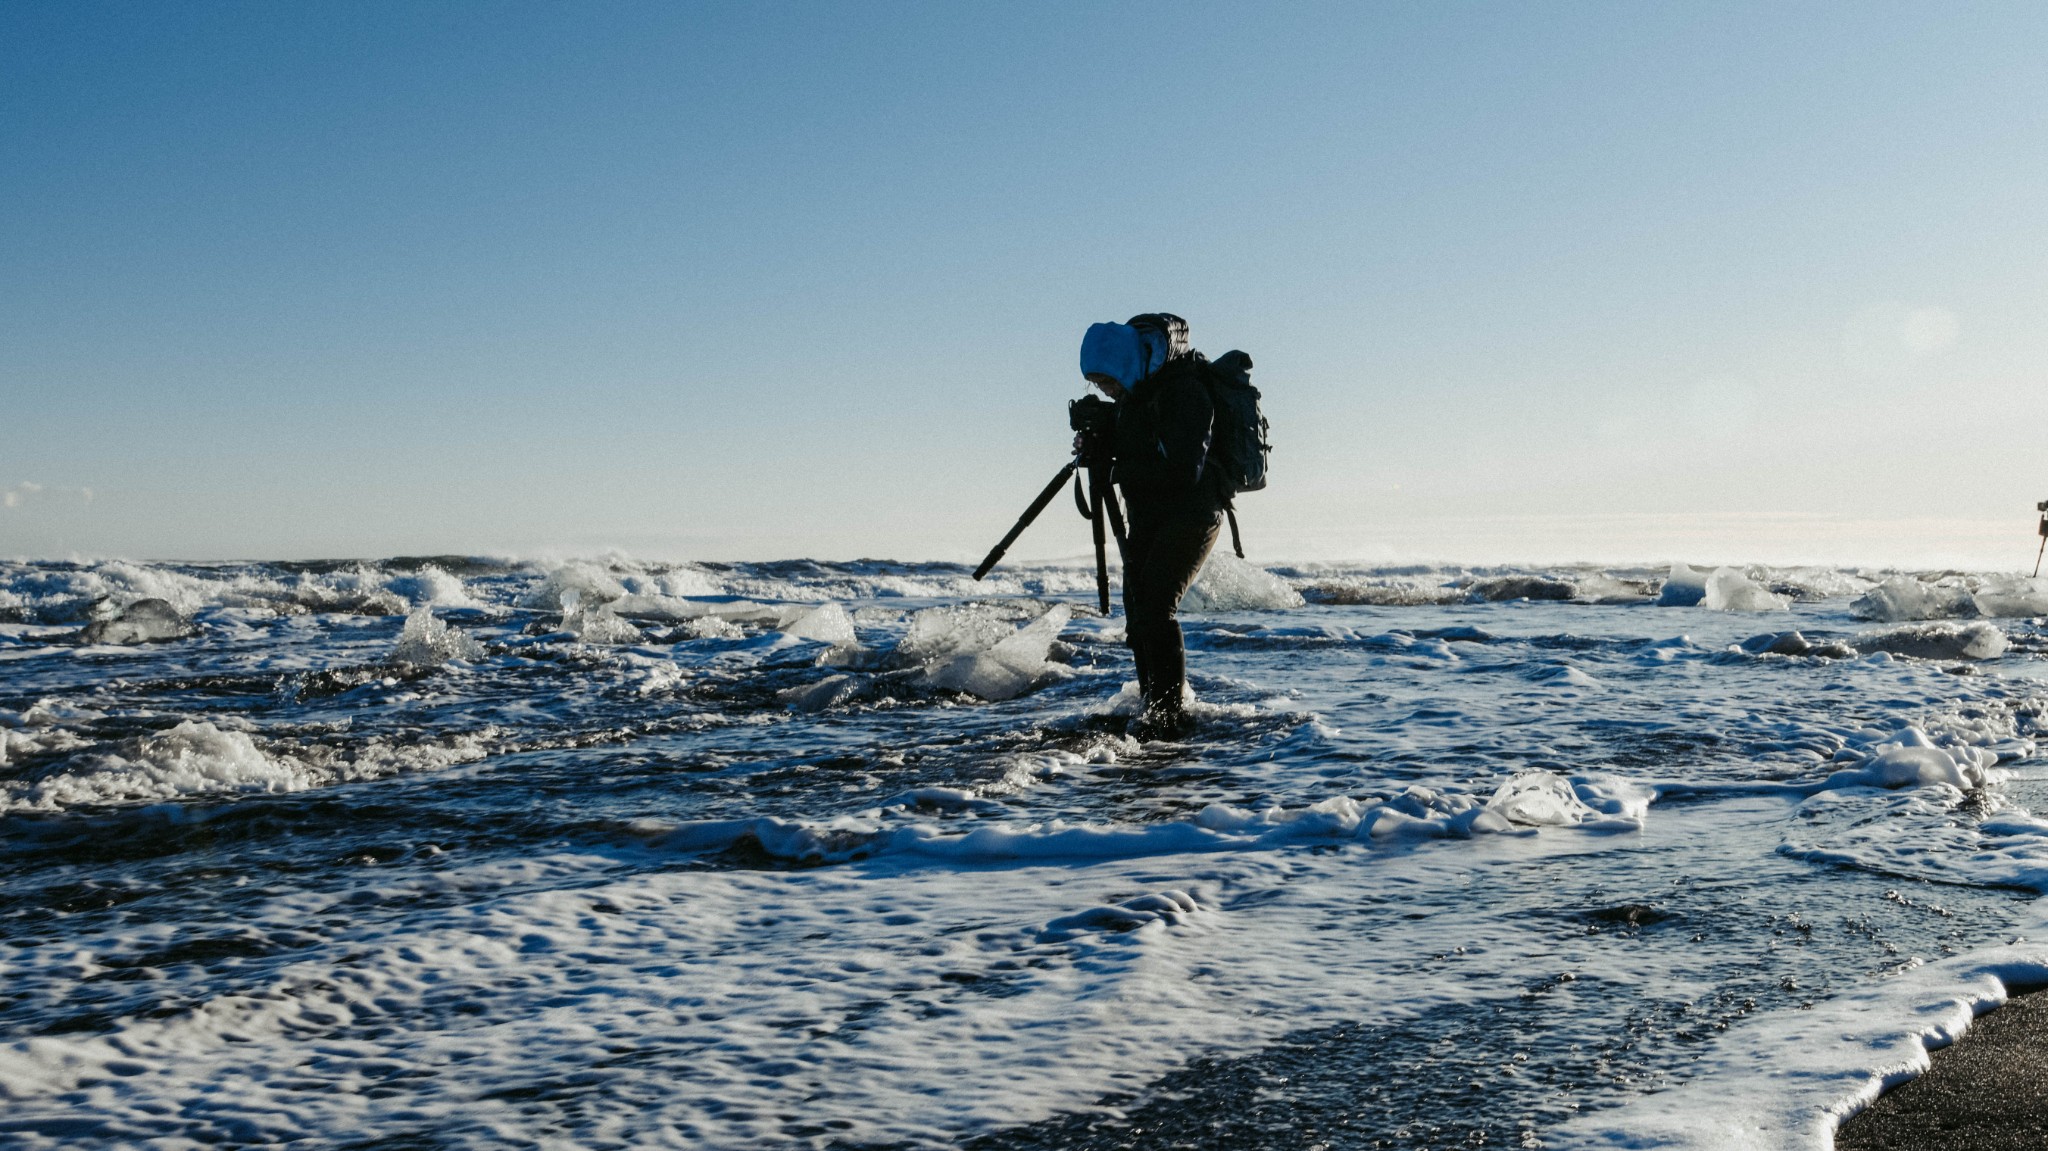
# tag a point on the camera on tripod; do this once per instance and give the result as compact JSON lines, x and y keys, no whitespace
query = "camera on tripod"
{"x":1093,"y":420}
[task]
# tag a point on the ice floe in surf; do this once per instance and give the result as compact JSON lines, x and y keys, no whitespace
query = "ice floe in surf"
{"x":832,"y":691}
{"x":970,"y":648}
{"x":1012,"y":665}
{"x":144,"y":621}
{"x":1227,"y":583}
{"x":1793,"y":643}
{"x":1904,"y":597}
{"x":1730,"y":590}
{"x":826,"y":623}
{"x":1686,"y":586}
{"x":1936,"y":641}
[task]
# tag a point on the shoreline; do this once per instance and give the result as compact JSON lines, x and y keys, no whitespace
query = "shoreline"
{"x":1987,"y":1091}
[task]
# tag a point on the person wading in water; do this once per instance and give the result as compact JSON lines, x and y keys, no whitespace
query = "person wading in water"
{"x":1175,"y":497}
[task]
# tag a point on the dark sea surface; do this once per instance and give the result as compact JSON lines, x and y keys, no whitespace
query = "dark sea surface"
{"x":470,"y":853}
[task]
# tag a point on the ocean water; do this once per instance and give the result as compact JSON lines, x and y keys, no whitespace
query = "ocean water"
{"x":464,"y":853}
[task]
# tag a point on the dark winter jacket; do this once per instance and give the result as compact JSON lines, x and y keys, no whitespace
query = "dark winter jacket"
{"x":1164,"y":427}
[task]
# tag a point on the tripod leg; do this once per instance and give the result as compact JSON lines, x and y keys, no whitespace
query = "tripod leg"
{"x":1101,"y":558}
{"x":1099,"y":476}
{"x":995,"y":554}
{"x":2038,"y":551}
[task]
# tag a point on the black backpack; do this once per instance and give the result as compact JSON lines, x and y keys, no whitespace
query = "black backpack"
{"x":1239,"y":446}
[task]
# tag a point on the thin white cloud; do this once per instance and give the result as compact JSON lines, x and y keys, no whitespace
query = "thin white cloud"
{"x":28,"y":491}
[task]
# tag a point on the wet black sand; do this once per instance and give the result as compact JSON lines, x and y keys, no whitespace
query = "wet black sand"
{"x":1988,"y":1092}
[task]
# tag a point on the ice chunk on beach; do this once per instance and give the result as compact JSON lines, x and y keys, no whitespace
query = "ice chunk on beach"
{"x":144,"y":621}
{"x":1602,"y":588}
{"x":1728,"y":589}
{"x":2011,"y":596}
{"x":1228,"y":583}
{"x":826,"y":693}
{"x":825,"y":623}
{"x":1936,"y":641}
{"x":1903,"y":598}
{"x":1008,"y":668}
{"x":1686,"y":586}
{"x":427,"y":642}
{"x":945,"y":631}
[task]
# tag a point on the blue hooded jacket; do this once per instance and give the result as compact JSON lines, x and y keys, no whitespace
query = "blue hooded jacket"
{"x":1122,"y":352}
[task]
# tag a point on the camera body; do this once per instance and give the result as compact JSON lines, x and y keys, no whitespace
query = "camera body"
{"x":1094,"y":419}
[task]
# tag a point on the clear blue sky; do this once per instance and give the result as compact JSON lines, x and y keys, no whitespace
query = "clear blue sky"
{"x":1524,"y":281}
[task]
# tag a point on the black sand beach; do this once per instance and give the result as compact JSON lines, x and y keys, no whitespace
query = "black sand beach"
{"x":1988,"y":1092}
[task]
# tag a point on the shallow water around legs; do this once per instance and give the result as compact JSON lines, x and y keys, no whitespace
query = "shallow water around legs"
{"x":465,"y":853}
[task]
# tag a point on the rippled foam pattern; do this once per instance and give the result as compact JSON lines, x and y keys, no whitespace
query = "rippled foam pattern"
{"x":452,"y":852}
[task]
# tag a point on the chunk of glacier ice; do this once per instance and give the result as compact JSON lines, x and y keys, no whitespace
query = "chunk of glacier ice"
{"x":1686,"y":586}
{"x":144,"y":621}
{"x":1936,"y":641}
{"x":1903,"y":598}
{"x":825,"y":623}
{"x":1728,"y":589}
{"x":1008,"y":668}
{"x":1228,"y":583}
{"x":2011,"y":596}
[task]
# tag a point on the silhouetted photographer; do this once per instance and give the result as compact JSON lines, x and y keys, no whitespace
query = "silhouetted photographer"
{"x":1179,"y":439}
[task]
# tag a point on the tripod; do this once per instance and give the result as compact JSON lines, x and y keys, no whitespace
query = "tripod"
{"x":1094,"y":419}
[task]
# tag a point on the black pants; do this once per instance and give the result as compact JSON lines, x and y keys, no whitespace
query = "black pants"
{"x":1162,"y":555}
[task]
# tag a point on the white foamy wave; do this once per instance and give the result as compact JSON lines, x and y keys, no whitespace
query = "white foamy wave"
{"x":1165,"y":909}
{"x":1529,"y":801}
{"x":427,"y":642}
{"x":432,"y":587}
{"x":1824,"y":1064}
{"x":595,"y":621}
{"x":193,"y":758}
{"x":196,"y":759}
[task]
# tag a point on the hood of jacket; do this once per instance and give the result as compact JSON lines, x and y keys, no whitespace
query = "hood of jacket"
{"x":1131,"y":352}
